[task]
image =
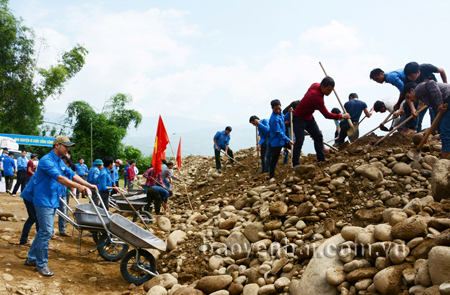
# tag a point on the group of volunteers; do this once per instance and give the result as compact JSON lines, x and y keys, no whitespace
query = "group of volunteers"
{"x":24,"y":170}
{"x":56,"y":177}
{"x":416,"y":83}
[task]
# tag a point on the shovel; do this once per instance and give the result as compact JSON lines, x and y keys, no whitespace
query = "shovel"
{"x":384,"y":128}
{"x":400,"y":125}
{"x":415,"y":153}
{"x":330,"y":146}
{"x":231,"y":157}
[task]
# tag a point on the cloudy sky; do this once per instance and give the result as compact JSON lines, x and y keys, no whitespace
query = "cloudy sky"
{"x":222,"y":61}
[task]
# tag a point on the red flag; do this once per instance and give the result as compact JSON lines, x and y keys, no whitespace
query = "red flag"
{"x":179,"y":156}
{"x":161,"y":141}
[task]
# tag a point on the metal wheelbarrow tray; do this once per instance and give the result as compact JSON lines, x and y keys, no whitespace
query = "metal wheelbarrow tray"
{"x":119,"y":197}
{"x":86,"y":215}
{"x":123,"y":205}
{"x":134,"y":234}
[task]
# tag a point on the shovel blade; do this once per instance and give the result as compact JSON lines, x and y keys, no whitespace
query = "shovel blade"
{"x":414,"y":155}
{"x":383,"y":128}
{"x":353,"y":132}
{"x":344,"y":145}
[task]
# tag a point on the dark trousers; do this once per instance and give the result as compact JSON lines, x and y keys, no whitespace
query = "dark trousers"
{"x":300,"y":125}
{"x":276,"y":151}
{"x":153,"y":197}
{"x":9,"y":182}
{"x":411,"y":124}
{"x":343,"y":134}
{"x":105,"y":199}
{"x":263,"y":156}
{"x":21,"y":181}
{"x":32,"y":219}
{"x":217,"y":156}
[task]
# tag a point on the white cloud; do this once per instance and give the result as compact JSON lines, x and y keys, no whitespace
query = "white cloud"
{"x":333,"y":37}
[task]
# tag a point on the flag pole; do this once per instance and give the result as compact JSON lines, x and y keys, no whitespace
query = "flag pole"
{"x":179,"y":169}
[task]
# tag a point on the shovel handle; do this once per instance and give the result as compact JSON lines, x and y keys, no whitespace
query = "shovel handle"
{"x":436,"y":122}
{"x":399,"y":126}
{"x":292,"y":137}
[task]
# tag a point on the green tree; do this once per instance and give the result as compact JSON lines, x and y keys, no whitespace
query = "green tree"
{"x":109,"y":127}
{"x":23,"y":95}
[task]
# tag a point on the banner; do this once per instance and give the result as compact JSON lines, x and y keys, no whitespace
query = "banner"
{"x":161,"y":141}
{"x":31,"y":140}
{"x":179,"y":156}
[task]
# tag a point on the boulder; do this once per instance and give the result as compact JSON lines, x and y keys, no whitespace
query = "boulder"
{"x":383,"y":232}
{"x":314,"y":280}
{"x":369,"y":171}
{"x":278,"y":208}
{"x":164,"y":280}
{"x":410,"y":228}
{"x":402,"y":169}
{"x":238,"y":245}
{"x":439,"y":264}
{"x":212,"y":284}
{"x":164,"y":223}
{"x":440,"y":181}
{"x":251,"y":231}
{"x":336,"y":168}
{"x":175,"y":238}
{"x":389,"y":280}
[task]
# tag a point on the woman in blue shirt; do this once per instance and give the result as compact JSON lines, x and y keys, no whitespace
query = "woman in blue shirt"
{"x":9,"y":169}
{"x":105,"y":183}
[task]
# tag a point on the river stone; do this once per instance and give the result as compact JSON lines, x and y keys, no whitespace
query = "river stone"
{"x":369,"y":171}
{"x":251,"y":231}
{"x":228,"y":224}
{"x":251,"y":289}
{"x":215,"y":262}
{"x":271,"y":225}
{"x":188,"y":291}
{"x":164,"y":223}
{"x":175,"y":238}
{"x":423,"y":275}
{"x":220,"y":292}
{"x":402,"y":169}
{"x":164,"y":280}
{"x":314,"y":280}
{"x":439,"y":264}
{"x":335,"y":275}
{"x":278,"y":208}
{"x":267,"y":290}
{"x":282,"y":283}
{"x":336,"y":168}
{"x":235,"y":289}
{"x":211,"y":284}
{"x":389,"y":280}
{"x":238,"y":245}
{"x":383,"y":232}
{"x":361,"y":273}
{"x":398,"y":253}
{"x":304,"y":209}
{"x":349,"y":232}
{"x":410,"y":228}
{"x":444,"y":288}
{"x":157,"y":290}
{"x":440,"y":182}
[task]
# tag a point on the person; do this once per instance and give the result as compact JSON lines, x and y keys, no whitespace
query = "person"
{"x":167,"y":175}
{"x":287,"y":125}
{"x":158,"y":196}
{"x":304,"y":119}
{"x":2,"y":156}
{"x":9,"y":169}
{"x":115,"y":173}
{"x":396,"y":78}
{"x":105,"y":183}
{"x":131,"y":174}
{"x":337,"y":124}
{"x":31,"y":168}
{"x":164,"y":164}
{"x":263,"y":144}
{"x":420,"y":73}
{"x":94,"y":172}
{"x":354,"y":107}
{"x":51,"y":170}
{"x":125,"y":169}
{"x":82,"y":171}
{"x":387,"y":104}
{"x":152,"y":179}
{"x":222,"y":142}
{"x":434,"y":95}
{"x":21,"y":173}
{"x":63,"y":198}
{"x":277,"y":138}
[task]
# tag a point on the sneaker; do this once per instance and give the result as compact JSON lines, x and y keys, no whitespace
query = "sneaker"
{"x":30,"y":262}
{"x":13,"y":195}
{"x":219,"y":170}
{"x":45,"y":271}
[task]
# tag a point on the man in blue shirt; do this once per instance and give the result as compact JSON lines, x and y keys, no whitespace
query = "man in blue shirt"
{"x":9,"y":169}
{"x":157,"y":195}
{"x":82,"y":170}
{"x":397,"y":78}
{"x":221,"y":142}
{"x":263,"y":143}
{"x":105,"y":183}
{"x":50,"y":172}
{"x":354,"y":107}
{"x":115,"y":173}
{"x":95,"y":172}
{"x":21,"y":173}
{"x":4,"y":154}
{"x":278,"y":138}
{"x":127,"y":164}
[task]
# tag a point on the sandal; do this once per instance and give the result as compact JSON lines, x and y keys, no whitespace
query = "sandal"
{"x":67,"y":235}
{"x":51,"y":247}
{"x":56,"y":238}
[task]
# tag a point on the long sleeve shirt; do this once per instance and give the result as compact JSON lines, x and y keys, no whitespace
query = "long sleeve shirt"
{"x":277,"y":135}
{"x":8,"y":166}
{"x":115,"y":174}
{"x":312,"y":101}
{"x":46,"y":186}
{"x":93,"y":174}
{"x":395,"y":78}
{"x":222,"y":139}
{"x":82,"y":169}
{"x":433,"y":94}
{"x":264,"y":131}
{"x":168,"y":173}
{"x":104,"y":180}
{"x":130,"y":173}
{"x":152,"y":178}
{"x":22,"y":163}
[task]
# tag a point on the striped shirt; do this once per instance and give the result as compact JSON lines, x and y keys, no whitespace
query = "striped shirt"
{"x":433,"y":94}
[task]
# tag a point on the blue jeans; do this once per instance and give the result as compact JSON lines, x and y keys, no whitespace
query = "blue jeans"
{"x":125,"y":181}
{"x":167,"y":184}
{"x":32,"y":219}
{"x":39,"y":249}
{"x":63,"y":209}
{"x":445,"y":132}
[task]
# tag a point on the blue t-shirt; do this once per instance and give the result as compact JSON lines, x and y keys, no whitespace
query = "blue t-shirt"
{"x":125,"y":171}
{"x":355,"y":108}
{"x":46,"y":187}
{"x":277,"y":130}
{"x":8,"y":166}
{"x":396,"y":78}
{"x":93,"y":174}
{"x":104,"y":180}
{"x":22,"y":163}
{"x":222,"y":139}
{"x":115,"y":174}
{"x":82,"y":169}
{"x":264,"y":131}
{"x":162,"y":192}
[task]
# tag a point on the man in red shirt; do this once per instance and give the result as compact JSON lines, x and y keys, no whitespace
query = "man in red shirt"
{"x":131,"y":174}
{"x":304,"y":119}
{"x":30,"y":168}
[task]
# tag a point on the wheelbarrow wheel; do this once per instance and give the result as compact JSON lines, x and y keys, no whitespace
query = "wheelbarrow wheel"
{"x":108,"y":250}
{"x":145,"y":215}
{"x":130,"y":270}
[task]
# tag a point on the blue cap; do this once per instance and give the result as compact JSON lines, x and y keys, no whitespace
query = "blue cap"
{"x":98,"y":162}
